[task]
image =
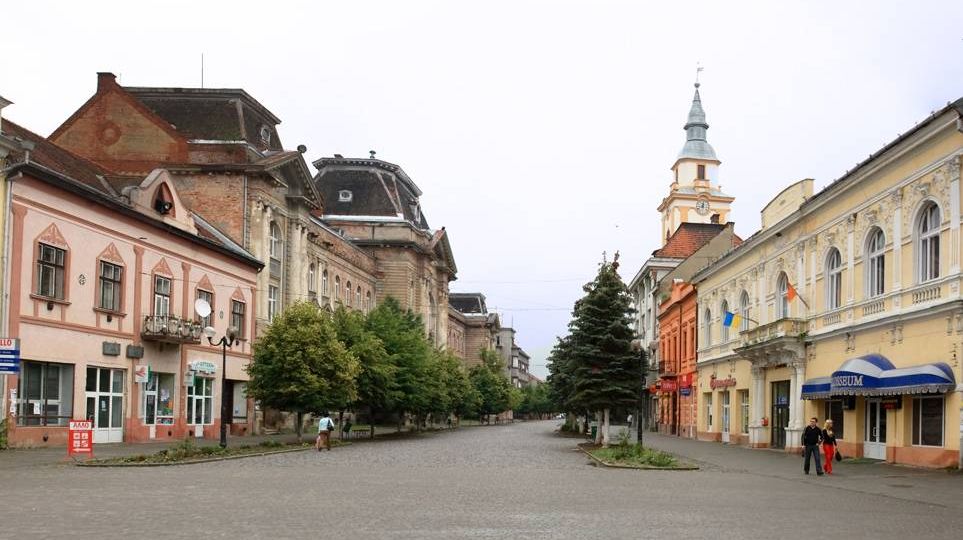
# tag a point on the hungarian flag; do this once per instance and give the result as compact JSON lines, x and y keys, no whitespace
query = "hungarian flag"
{"x":731,"y":319}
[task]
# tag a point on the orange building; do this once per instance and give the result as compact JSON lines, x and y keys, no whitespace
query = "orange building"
{"x":677,"y":365}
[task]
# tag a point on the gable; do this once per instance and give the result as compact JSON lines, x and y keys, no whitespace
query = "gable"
{"x":116,"y":132}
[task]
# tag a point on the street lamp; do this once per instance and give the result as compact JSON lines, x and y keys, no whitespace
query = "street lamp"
{"x":226,"y":341}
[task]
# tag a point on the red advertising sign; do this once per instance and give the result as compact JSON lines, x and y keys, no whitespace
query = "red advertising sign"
{"x":722,"y":383}
{"x":668,"y":385}
{"x":80,"y":438}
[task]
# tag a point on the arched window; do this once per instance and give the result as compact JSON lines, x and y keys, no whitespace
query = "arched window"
{"x":928,"y":243}
{"x":782,"y":301}
{"x":312,"y":278}
{"x":834,"y":279}
{"x":337,"y":288}
{"x":347,"y":294}
{"x":875,"y":263}
{"x":707,"y":328}
{"x":744,"y":311}
{"x":276,"y":242}
{"x":367,"y":302}
{"x":725,"y":329}
{"x":324,"y":282}
{"x":357,"y":299}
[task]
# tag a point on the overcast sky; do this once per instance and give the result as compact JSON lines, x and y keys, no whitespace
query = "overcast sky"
{"x":540,"y":132}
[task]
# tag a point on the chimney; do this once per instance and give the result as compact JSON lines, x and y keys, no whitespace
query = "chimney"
{"x":3,"y":103}
{"x":105,"y":79}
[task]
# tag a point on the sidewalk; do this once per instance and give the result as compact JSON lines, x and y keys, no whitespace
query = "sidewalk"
{"x":928,"y":486}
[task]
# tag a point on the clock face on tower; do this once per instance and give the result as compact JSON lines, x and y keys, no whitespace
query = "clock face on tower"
{"x":702,"y":206}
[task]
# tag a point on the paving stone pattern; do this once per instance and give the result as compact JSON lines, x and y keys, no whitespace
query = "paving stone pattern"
{"x":515,"y":481}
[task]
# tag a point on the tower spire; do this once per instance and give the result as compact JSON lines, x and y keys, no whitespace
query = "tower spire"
{"x":696,"y":144}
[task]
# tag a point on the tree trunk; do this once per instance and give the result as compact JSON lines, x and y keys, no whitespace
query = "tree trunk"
{"x":298,"y":426}
{"x":598,"y":427}
{"x":605,"y":428}
{"x":340,"y":423}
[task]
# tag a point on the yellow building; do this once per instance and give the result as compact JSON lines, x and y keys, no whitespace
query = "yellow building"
{"x":874,"y":336}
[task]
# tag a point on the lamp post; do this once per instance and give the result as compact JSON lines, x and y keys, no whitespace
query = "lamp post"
{"x":226,"y":341}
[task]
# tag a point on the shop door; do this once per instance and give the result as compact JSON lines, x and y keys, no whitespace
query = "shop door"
{"x":874,"y":447}
{"x":725,"y":417}
{"x":105,"y":403}
{"x":780,"y":414}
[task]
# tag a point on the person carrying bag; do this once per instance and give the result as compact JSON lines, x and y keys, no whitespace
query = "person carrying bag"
{"x":325,"y":427}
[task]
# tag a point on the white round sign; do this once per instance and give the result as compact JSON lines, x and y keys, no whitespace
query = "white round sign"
{"x":202,"y":308}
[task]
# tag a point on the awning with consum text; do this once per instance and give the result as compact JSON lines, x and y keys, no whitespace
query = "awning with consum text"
{"x":875,"y":375}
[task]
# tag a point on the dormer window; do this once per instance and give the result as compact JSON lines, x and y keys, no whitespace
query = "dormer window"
{"x":265,"y":135}
{"x":164,"y":201}
{"x":344,"y":196}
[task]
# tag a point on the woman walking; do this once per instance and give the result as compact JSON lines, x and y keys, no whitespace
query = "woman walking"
{"x":829,"y":446}
{"x":325,"y":427}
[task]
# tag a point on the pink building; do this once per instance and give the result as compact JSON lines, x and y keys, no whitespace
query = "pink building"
{"x":104,"y":273}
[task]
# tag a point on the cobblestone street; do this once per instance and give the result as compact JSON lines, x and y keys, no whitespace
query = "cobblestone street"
{"x":515,"y":481}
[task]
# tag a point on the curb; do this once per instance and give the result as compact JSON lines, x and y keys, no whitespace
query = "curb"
{"x":637,"y":467}
{"x":195,"y":461}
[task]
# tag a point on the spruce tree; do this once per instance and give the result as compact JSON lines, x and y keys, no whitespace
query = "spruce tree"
{"x":606,"y":371}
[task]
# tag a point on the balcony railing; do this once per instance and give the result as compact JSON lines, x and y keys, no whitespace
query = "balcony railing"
{"x":171,"y":329}
{"x":927,"y":294}
{"x":874,"y":307}
{"x":774,"y":330}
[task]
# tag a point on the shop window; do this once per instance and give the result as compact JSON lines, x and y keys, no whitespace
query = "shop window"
{"x":876,"y":263}
{"x":208,"y":297}
{"x":157,"y":400}
{"x":200,"y":401}
{"x":744,"y":411}
{"x":272,"y":306}
{"x":45,"y":394}
{"x":834,"y":412}
{"x":928,"y":243}
{"x":237,"y":317}
{"x":110,"y":286}
{"x":928,"y":421}
{"x":50,"y":271}
{"x":240,"y":402}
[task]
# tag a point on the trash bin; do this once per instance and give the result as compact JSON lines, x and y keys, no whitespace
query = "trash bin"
{"x":594,"y":429}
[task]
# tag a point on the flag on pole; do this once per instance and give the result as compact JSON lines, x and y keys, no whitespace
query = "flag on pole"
{"x":731,"y":319}
{"x":791,"y":294}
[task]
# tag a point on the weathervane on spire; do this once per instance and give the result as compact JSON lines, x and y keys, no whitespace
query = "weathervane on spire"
{"x":699,"y":69}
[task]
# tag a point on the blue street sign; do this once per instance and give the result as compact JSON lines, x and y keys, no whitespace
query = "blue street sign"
{"x":9,"y":355}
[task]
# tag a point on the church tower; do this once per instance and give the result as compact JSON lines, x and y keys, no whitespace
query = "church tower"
{"x":694,"y":195}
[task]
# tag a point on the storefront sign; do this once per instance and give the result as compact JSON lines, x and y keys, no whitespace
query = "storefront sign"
{"x":685,"y":381}
{"x":135,"y":351}
{"x":685,"y":391}
{"x":141,"y":373}
{"x":892,"y":404}
{"x":848,"y":381}
{"x":189,"y":378}
{"x":80,"y":438}
{"x":203,"y":366}
{"x":109,"y":348}
{"x":721,"y":383}
{"x":668,"y":385}
{"x":9,"y":355}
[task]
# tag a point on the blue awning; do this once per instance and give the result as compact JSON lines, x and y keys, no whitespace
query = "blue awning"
{"x":875,"y":375}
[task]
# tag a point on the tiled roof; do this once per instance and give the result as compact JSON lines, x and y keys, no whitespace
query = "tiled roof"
{"x":689,"y":237}
{"x":55,"y":158}
{"x":371,"y":195}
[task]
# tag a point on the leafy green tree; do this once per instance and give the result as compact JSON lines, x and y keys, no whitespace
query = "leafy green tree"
{"x":460,"y":397}
{"x":606,"y":371}
{"x":299,"y":364}
{"x":409,"y":352}
{"x":491,"y":385}
{"x":377,"y":386}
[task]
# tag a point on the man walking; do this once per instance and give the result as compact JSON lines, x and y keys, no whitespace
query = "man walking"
{"x":811,"y":438}
{"x":325,"y":427}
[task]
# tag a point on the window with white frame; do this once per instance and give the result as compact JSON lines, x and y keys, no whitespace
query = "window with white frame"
{"x":744,"y":311}
{"x":110,"y":286}
{"x":237,"y":317}
{"x":834,"y":279}
{"x":337,"y":288}
{"x":357,"y":298}
{"x":875,"y":263}
{"x":367,"y":302}
{"x":272,"y":307}
{"x":208,"y":297}
{"x":157,"y":399}
{"x":347,"y":294}
{"x":782,"y":300}
{"x":928,"y":421}
{"x":928,"y":243}
{"x":707,"y":328}
{"x":162,"y":296}
{"x":312,"y":285}
{"x":725,"y":329}
{"x":324,"y":282}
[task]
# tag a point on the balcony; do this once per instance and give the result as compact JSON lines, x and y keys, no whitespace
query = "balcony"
{"x":775,"y":343}
{"x":171,"y":329}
